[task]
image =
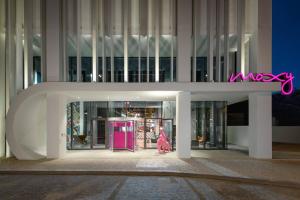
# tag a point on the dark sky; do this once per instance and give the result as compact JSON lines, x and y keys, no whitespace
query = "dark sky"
{"x":286,"y":38}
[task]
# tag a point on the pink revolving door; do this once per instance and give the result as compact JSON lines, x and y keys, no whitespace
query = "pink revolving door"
{"x":122,"y":135}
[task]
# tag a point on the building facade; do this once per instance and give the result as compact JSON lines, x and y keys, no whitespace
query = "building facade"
{"x":112,"y":74}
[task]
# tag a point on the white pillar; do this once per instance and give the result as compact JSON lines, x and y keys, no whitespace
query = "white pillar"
{"x":260,"y":125}
{"x":184,"y":36}
{"x":264,"y":43}
{"x":53,"y":50}
{"x":56,"y":126}
{"x":183,"y":124}
{"x":2,"y":78}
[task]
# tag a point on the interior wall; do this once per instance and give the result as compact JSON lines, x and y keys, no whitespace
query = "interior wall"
{"x":283,"y":134}
{"x":286,"y":134}
{"x":238,"y":135}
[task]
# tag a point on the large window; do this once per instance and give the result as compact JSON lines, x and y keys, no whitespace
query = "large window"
{"x":88,"y":122}
{"x":209,"y":125}
{"x":223,"y":39}
{"x":120,"y":41}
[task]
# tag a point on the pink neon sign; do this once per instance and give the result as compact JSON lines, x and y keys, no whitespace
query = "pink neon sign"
{"x":285,"y":78}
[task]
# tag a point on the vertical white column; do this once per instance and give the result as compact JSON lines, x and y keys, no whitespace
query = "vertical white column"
{"x":101,"y":15}
{"x":241,"y":36}
{"x":260,"y":125}
{"x":28,"y":34}
{"x":218,"y":40}
{"x":183,"y":124}
{"x":66,"y":76}
{"x":10,"y":61}
{"x":112,"y":33}
{"x":56,"y":126}
{"x":252,"y":6}
{"x":264,"y":43}
{"x":211,"y":17}
{"x":125,"y":11}
{"x":184,"y":33}
{"x":3,"y":11}
{"x":195,"y":33}
{"x":78,"y":42}
{"x":226,"y":39}
{"x":19,"y":45}
{"x":95,"y":23}
{"x":157,"y":34}
{"x":53,"y":51}
{"x":43,"y":41}
{"x":173,"y":16}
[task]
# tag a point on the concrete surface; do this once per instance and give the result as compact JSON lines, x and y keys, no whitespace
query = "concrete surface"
{"x":218,"y":163}
{"x":134,"y":187}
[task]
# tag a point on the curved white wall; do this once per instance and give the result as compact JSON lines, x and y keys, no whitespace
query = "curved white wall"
{"x":26,"y":125}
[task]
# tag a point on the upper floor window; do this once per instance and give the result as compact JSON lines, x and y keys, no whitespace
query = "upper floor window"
{"x":120,"y":41}
{"x":223,"y":38}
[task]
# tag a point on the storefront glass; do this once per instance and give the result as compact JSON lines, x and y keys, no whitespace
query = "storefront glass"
{"x":209,"y":125}
{"x":93,"y":125}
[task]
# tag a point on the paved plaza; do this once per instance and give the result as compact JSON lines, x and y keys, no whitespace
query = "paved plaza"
{"x":102,"y":174}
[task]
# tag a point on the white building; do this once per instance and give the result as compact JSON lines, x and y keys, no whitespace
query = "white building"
{"x":80,"y":74}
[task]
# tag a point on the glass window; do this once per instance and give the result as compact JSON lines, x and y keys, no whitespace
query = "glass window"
{"x":233,"y":36}
{"x":151,"y":59}
{"x":133,"y":58}
{"x":165,"y":58}
{"x":200,"y":40}
{"x":209,"y":125}
{"x":145,"y":27}
{"x":118,"y":58}
{"x":77,"y":138}
{"x":85,"y":40}
{"x":71,"y":43}
{"x":89,"y":123}
{"x":144,"y":45}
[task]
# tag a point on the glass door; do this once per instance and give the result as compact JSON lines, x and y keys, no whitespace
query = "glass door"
{"x":152,"y":131}
{"x":122,"y":135}
{"x":152,"y":126}
{"x":167,"y":125}
{"x":130,"y":136}
{"x":99,"y":134}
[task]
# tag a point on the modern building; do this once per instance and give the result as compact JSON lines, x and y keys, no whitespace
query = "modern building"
{"x":110,"y":74}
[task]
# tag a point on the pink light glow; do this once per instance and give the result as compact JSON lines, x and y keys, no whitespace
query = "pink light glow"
{"x":285,"y":78}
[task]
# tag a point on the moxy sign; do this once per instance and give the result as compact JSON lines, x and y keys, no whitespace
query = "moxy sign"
{"x":285,"y":78}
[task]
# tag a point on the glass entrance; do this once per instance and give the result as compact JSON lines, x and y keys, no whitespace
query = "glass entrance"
{"x":96,"y":125}
{"x":122,"y":135}
{"x":209,"y":125}
{"x":152,"y":130}
{"x":99,"y":132}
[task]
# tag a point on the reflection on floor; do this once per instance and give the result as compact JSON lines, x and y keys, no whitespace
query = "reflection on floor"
{"x":286,"y":147}
{"x":117,"y":154}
